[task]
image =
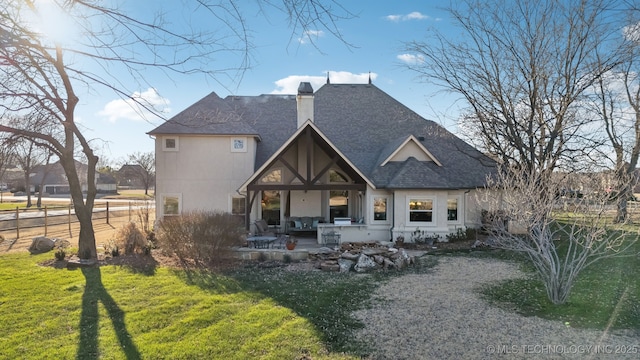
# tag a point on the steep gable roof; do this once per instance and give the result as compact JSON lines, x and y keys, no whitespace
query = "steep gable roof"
{"x":360,"y":120}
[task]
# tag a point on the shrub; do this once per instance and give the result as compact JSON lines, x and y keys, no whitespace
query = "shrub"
{"x":459,"y":235}
{"x":131,"y":239}
{"x":60,"y":254}
{"x":202,"y":236}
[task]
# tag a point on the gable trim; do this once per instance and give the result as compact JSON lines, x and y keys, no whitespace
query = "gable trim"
{"x":285,"y":146}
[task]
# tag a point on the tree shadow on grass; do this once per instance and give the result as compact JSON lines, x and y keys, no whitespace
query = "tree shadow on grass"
{"x":95,"y":292}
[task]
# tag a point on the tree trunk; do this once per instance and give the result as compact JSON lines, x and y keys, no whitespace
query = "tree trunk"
{"x":27,"y":188}
{"x":86,"y":240}
{"x":84,"y":210}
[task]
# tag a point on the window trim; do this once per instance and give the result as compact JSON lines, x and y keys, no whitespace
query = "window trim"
{"x":433,"y":210}
{"x":164,"y":143}
{"x":172,"y":195}
{"x":373,"y":211}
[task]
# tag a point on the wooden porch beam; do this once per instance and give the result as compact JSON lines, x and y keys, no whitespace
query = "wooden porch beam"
{"x":325,"y":169}
{"x":307,"y":187}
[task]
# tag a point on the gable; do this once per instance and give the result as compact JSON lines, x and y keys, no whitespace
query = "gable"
{"x":410,"y":148}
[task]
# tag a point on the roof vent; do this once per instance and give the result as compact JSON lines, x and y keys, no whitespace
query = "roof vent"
{"x":421,"y":138}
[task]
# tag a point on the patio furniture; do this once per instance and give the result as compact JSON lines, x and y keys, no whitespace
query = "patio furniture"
{"x":262,"y":229}
{"x":261,"y":242}
{"x":303,"y":223}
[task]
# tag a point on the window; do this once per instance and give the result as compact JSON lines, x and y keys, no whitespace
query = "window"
{"x":171,"y":204}
{"x":238,"y":206}
{"x":421,"y":210}
{"x":380,"y":208}
{"x":170,"y":144}
{"x":273,"y":177}
{"x":239,"y":144}
{"x":452,"y":209}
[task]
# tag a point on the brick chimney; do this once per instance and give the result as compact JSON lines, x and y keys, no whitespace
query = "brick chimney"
{"x":305,"y":103}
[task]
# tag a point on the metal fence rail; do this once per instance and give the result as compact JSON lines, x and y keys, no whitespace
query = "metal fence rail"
{"x":22,"y":218}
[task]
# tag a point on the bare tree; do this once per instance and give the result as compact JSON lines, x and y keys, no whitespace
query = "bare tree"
{"x":40,"y":75}
{"x":559,"y":247}
{"x":7,"y":156}
{"x":46,"y":169}
{"x":521,"y":66}
{"x":29,"y":156}
{"x":145,"y":171}
{"x":617,"y":106}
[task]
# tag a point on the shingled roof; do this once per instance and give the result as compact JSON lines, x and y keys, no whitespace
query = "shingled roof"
{"x":362,"y":121}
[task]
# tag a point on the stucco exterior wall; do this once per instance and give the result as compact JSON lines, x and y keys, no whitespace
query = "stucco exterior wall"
{"x":469,"y":213}
{"x":204,"y":171}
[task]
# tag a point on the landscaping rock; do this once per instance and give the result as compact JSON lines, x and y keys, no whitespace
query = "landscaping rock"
{"x":41,"y":244}
{"x":345,"y":264}
{"x":327,"y":266}
{"x":350,"y":256}
{"x":365,"y":263}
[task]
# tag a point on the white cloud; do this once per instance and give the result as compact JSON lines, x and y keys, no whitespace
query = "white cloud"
{"x":310,"y":36}
{"x":632,"y":32}
{"x":289,"y":85}
{"x":415,"y":15}
{"x":131,"y":109}
{"x":411,"y":59}
{"x":394,"y":18}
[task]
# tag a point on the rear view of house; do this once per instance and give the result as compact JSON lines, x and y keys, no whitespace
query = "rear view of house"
{"x":346,"y":158}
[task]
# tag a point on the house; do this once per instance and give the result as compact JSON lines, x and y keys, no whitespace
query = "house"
{"x":130,"y":176}
{"x":344,"y":152}
{"x":54,"y":180}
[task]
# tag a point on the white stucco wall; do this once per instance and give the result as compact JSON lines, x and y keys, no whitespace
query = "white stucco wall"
{"x":469,"y":211}
{"x":204,"y":171}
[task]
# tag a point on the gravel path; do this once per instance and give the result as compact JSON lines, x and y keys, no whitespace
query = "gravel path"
{"x":440,"y":315}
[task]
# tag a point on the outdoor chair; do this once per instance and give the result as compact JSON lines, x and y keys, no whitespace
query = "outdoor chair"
{"x":262,"y":229}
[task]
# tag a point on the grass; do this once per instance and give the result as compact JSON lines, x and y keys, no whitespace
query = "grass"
{"x":113,"y":312}
{"x":605,"y":295}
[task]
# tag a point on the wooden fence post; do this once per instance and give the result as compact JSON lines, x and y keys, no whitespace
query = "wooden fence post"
{"x":17,"y":222}
{"x":107,"y":212}
{"x":45,"y":221}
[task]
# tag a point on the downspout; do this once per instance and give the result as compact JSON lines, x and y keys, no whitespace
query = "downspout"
{"x":393,"y":218}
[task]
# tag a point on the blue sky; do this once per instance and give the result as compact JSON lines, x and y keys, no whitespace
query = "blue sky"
{"x":279,"y":62}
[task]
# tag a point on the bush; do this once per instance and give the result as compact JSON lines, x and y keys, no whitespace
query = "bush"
{"x":460,"y":235}
{"x":60,"y":254}
{"x":202,"y":236}
{"x":131,"y":239}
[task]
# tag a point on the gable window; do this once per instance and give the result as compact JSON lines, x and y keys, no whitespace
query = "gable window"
{"x":272,"y":177}
{"x":171,"y":204}
{"x":421,"y":210}
{"x":239,"y":144}
{"x":452,"y":209}
{"x":379,"y":208}
{"x":170,"y":144}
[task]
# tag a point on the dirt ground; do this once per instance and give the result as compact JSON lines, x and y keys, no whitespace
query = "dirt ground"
{"x":103,"y":232}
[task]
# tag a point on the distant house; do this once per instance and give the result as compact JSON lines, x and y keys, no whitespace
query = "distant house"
{"x":54,"y":180}
{"x":345,"y":151}
{"x":129,"y":176}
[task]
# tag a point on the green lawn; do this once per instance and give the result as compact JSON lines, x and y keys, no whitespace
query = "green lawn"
{"x":606,"y":294}
{"x":113,"y":312}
